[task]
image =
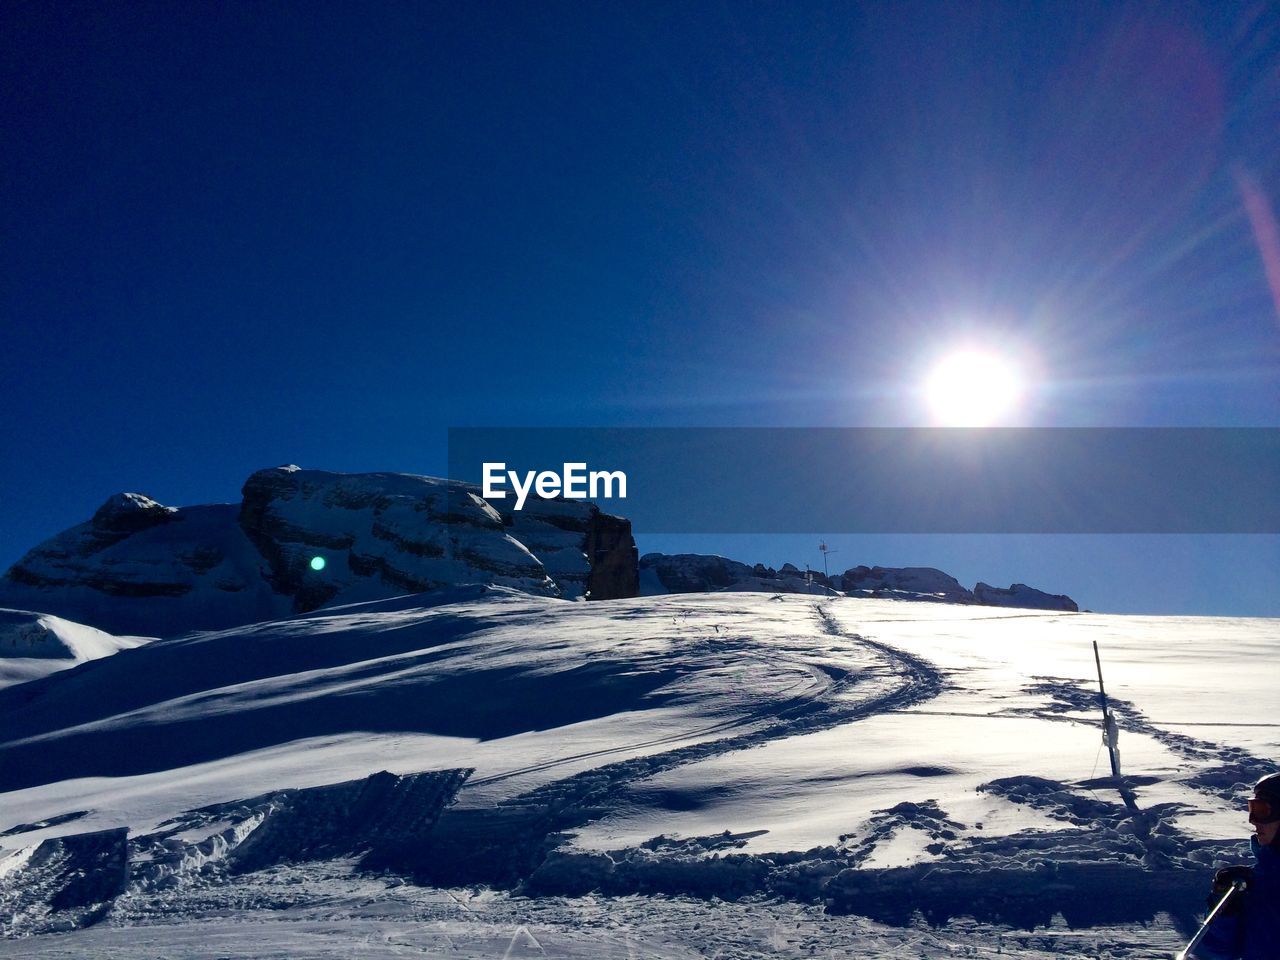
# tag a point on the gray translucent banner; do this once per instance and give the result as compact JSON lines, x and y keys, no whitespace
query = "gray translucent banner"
{"x":899,"y":480}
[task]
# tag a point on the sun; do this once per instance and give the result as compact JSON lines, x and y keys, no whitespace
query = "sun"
{"x":970,"y":388}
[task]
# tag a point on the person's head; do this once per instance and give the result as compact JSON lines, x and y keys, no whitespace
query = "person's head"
{"x":1264,"y":810}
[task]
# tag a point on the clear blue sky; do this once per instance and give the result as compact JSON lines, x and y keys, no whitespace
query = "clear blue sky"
{"x":236,"y":235}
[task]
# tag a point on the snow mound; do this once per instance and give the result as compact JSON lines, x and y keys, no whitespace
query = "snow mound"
{"x":383,"y":818}
{"x":65,"y":883}
{"x":69,"y":882}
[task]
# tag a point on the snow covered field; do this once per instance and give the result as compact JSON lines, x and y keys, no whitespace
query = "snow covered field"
{"x":700,"y":775}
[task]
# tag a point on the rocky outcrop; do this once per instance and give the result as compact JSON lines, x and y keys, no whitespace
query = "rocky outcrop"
{"x":141,"y":568}
{"x":303,"y":539}
{"x":588,"y":553}
{"x":129,"y":513}
{"x":917,"y":582}
{"x":396,"y":533}
{"x":614,"y":559}
{"x":121,"y":517}
{"x":1022,"y":596}
{"x":689,"y":573}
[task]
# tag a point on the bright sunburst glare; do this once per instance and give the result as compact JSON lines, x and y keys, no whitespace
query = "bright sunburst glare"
{"x":973,"y":389}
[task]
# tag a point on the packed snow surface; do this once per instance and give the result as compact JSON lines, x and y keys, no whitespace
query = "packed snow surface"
{"x":822,"y":776}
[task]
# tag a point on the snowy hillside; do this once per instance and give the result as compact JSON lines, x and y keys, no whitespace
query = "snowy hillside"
{"x":858,"y":776}
{"x":34,"y":644}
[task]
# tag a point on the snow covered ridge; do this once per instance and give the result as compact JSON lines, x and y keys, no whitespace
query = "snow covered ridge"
{"x":302,"y":540}
{"x":692,"y":573}
{"x":140,"y":567}
{"x":34,"y":645}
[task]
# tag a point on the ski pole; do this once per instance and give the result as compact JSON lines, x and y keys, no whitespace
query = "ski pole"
{"x":1236,"y":887}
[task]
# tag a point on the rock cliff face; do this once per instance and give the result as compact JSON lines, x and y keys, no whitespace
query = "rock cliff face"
{"x":303,"y":539}
{"x":614,"y":559}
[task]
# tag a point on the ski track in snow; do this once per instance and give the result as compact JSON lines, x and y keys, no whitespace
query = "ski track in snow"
{"x":918,"y":681}
{"x":253,"y":877}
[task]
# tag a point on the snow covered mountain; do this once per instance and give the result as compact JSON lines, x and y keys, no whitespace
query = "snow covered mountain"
{"x":300,"y":540}
{"x":140,"y":567}
{"x":869,"y":777}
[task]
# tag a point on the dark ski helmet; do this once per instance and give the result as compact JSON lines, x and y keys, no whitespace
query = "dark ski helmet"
{"x":1265,"y":805}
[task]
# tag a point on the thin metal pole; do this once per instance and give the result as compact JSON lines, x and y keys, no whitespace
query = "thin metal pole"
{"x":1108,"y":724}
{"x":1236,"y":887}
{"x":1101,"y":689}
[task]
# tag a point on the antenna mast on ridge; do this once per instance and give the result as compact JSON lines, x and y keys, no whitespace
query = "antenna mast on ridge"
{"x":822,"y":546}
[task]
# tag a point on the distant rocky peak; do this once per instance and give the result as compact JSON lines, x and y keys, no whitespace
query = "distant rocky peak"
{"x":924,"y":581}
{"x":130,"y":512}
{"x":1023,"y":596}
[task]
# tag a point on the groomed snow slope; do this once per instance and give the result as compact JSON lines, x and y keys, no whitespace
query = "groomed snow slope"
{"x":886,"y":759}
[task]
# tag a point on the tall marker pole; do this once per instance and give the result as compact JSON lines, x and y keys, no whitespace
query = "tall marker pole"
{"x":1110,"y":733}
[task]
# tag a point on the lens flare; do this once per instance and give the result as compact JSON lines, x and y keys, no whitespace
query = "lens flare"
{"x":317,"y":563}
{"x":972,"y":389}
